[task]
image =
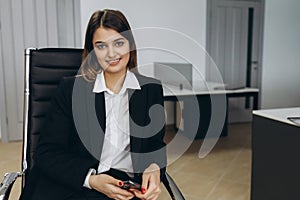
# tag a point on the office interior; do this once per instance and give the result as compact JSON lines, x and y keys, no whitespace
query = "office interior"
{"x":212,"y":36}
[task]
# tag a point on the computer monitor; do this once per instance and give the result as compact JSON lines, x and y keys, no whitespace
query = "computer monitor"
{"x":177,"y":74}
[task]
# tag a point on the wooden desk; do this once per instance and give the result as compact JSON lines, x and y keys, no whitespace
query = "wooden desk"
{"x":275,"y":155}
{"x":204,"y":97}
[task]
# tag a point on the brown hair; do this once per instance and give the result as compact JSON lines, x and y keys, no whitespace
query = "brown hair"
{"x":112,"y":19}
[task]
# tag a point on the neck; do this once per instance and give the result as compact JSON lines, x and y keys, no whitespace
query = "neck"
{"x":114,"y":81}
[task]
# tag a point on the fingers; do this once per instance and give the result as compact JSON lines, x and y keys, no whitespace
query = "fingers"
{"x":118,"y":192}
{"x":150,"y":187}
{"x":117,"y":182}
{"x":110,"y":186}
{"x":145,"y":183}
{"x":122,"y":194}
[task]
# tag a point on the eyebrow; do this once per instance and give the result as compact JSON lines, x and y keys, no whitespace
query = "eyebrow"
{"x":121,"y":38}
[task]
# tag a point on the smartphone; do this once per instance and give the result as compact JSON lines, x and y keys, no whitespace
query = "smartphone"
{"x":131,"y":185}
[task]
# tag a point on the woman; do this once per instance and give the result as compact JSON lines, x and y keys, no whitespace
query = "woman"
{"x":129,"y":144}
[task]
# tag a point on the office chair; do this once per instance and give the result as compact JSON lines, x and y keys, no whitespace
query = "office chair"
{"x":44,"y":69}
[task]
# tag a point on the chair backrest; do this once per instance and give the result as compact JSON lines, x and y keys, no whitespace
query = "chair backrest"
{"x":44,"y":68}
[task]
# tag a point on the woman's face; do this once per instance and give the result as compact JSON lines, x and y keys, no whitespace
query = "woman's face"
{"x":112,"y":50}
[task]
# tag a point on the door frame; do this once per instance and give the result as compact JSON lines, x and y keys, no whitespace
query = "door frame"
{"x":261,"y":6}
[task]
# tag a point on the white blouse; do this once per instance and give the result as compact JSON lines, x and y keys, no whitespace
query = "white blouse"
{"x":116,"y":146}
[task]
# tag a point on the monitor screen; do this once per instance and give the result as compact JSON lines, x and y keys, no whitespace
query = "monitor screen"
{"x":178,"y":74}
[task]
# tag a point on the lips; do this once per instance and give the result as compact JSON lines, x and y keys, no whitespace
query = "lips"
{"x":114,"y":62}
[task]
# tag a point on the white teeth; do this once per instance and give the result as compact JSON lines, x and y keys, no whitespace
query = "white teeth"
{"x":113,"y":61}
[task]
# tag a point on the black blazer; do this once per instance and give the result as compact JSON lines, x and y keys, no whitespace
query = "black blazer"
{"x":66,"y":150}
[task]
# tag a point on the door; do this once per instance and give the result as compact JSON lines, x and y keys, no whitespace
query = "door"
{"x":234,"y":35}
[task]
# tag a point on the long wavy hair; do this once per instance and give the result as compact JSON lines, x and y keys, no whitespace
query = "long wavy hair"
{"x":112,"y":19}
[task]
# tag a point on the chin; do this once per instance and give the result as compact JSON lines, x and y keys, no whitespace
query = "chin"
{"x":115,"y":69}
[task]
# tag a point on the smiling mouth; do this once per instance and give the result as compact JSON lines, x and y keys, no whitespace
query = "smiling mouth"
{"x":114,"y":62}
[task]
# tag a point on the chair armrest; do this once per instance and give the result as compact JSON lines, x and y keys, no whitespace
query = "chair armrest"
{"x":172,"y":188}
{"x":7,"y":183}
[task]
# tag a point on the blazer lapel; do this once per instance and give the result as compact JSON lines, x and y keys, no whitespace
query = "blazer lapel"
{"x":137,"y":107}
{"x":137,"y":118}
{"x":89,"y":116}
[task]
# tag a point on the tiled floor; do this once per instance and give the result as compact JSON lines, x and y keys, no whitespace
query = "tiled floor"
{"x":224,"y":174}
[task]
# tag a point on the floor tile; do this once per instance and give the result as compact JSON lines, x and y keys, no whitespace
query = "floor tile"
{"x":229,"y":190}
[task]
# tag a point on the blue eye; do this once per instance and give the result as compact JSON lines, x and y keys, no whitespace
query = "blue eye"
{"x":101,"y":46}
{"x":119,"y":43}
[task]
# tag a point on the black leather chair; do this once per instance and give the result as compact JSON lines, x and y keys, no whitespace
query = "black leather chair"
{"x":44,"y":68}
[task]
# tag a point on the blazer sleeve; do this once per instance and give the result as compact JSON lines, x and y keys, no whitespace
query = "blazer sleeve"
{"x":60,"y":155}
{"x":155,"y":144}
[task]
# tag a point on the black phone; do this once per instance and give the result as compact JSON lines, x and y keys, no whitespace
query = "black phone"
{"x":131,"y":185}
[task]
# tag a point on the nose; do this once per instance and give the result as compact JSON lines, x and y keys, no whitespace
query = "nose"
{"x":111,"y":51}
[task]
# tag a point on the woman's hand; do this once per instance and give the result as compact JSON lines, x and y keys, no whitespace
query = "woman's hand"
{"x":109,"y":186}
{"x":151,"y":184}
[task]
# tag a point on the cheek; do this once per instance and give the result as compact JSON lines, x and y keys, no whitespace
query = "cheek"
{"x":126,"y":57}
{"x":123,"y":50}
{"x":126,"y":53}
{"x":100,"y":55}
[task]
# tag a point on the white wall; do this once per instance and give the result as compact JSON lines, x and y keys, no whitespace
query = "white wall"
{"x":187,"y":18}
{"x":281,"y":54}
{"x":181,"y":39}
